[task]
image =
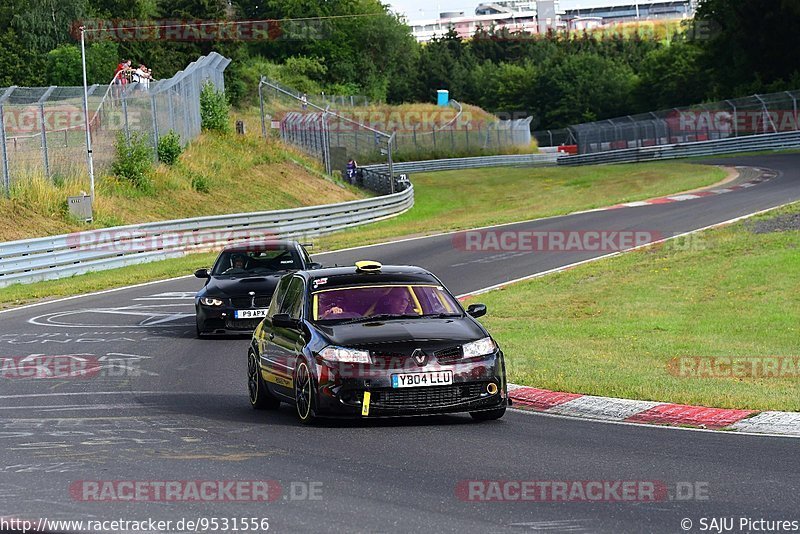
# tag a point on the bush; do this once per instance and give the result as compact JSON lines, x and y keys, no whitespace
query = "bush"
{"x":200,"y":182}
{"x":133,"y":160}
{"x":214,"y":109}
{"x":169,"y":148}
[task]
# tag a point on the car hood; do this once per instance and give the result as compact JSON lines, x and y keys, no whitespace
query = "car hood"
{"x":454,"y":329}
{"x":231,"y":287}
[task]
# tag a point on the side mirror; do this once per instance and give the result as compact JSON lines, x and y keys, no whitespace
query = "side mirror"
{"x":476,"y":310}
{"x":283,"y":320}
{"x":202,"y":273}
{"x":314,"y":265}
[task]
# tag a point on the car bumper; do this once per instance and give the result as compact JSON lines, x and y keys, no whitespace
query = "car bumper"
{"x":221,"y":319}
{"x":477,"y":386}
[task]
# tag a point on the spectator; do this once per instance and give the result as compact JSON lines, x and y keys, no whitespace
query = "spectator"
{"x":142,"y":76}
{"x":304,"y":101}
{"x":352,"y":169}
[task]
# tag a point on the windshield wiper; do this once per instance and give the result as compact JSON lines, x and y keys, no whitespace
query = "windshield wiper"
{"x":379,"y":317}
{"x":441,"y":315}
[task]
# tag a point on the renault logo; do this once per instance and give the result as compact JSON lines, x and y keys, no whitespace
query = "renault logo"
{"x":420,"y":357}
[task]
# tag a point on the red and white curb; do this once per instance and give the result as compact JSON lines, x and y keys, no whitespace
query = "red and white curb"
{"x":653,"y":413}
{"x":764,"y":175}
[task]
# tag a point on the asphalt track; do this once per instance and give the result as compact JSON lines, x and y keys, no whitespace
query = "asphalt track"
{"x":170,"y":407}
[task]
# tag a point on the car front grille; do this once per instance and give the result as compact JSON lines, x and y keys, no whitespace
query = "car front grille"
{"x":448,"y":355}
{"x":242,"y":324}
{"x":243,"y":303}
{"x":427,"y":397}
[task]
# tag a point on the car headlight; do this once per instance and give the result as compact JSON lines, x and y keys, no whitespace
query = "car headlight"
{"x":482,"y":347}
{"x":206,"y":301}
{"x":342,"y":354}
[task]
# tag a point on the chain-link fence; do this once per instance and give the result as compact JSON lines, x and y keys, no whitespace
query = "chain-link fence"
{"x":383,"y":134}
{"x":560,"y":137}
{"x":326,"y":135}
{"x":43,"y":133}
{"x":753,"y":115}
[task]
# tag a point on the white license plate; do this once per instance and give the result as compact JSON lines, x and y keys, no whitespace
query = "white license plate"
{"x":416,"y":380}
{"x":250,"y":314}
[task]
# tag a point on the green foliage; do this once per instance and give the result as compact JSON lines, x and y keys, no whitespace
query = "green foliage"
{"x":214,"y":109}
{"x":169,"y":148}
{"x":133,"y":160}
{"x":200,"y":182}
{"x":64,"y":66}
{"x":101,"y":61}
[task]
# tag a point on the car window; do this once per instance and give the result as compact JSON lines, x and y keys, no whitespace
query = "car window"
{"x":277,"y":297}
{"x":293,"y":301}
{"x":394,"y":300}
{"x":243,"y":263}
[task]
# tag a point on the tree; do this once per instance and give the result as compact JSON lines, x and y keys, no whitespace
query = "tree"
{"x":64,"y":66}
{"x":671,"y":76}
{"x":747,"y":44}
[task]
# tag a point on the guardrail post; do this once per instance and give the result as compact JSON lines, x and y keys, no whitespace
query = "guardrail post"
{"x":6,"y":178}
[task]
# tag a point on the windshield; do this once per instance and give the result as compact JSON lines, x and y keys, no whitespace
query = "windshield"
{"x":355,"y":303}
{"x":256,"y":262}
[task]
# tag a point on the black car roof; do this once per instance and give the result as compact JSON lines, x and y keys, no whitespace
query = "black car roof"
{"x":350,"y":276}
{"x":276,"y":244}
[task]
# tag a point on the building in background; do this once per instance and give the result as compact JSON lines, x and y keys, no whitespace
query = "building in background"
{"x":540,"y":16}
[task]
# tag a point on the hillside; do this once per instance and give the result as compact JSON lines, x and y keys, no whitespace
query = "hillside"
{"x":217,"y":174}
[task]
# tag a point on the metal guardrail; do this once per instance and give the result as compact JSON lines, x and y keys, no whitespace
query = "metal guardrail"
{"x":513,"y":160}
{"x":49,"y":258}
{"x":751,"y":143}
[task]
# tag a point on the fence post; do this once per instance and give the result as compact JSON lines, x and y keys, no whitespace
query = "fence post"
{"x":389,"y":157}
{"x":466,"y":133}
{"x":261,"y":107}
{"x":44,"y":142}
{"x":155,"y":125}
{"x":452,"y":140}
{"x":125,"y":116}
{"x":794,"y":110}
{"x":6,"y":178}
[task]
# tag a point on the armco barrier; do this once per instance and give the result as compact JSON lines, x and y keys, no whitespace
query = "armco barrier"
{"x":733,"y":145}
{"x":513,"y":160}
{"x":49,"y":258}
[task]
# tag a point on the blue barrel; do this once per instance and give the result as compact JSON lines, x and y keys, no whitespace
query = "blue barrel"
{"x":442,"y":97}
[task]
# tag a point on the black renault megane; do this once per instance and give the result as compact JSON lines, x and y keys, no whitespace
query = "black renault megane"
{"x":239,"y":286}
{"x":374,"y":341}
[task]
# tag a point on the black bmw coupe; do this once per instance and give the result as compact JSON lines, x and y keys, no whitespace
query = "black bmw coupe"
{"x":239,"y":287}
{"x":372,"y":341}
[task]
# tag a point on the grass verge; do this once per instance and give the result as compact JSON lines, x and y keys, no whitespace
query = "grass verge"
{"x":613,"y":327}
{"x":218,"y":174}
{"x":456,"y":200}
{"x":444,"y":201}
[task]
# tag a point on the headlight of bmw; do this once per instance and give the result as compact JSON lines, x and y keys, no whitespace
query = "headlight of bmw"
{"x":206,"y":301}
{"x":333,"y":353}
{"x":482,"y":347}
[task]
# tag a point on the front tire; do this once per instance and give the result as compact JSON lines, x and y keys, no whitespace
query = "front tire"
{"x":260,"y":397}
{"x":304,"y":393}
{"x":198,"y":327}
{"x":488,"y":415}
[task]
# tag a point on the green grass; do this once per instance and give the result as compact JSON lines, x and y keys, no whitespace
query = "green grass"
{"x":455,"y":200}
{"x":217,"y":174}
{"x":444,"y":201}
{"x":611,"y":327}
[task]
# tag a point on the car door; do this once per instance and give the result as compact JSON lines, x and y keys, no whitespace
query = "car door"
{"x":273,"y":356}
{"x":284,"y":344}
